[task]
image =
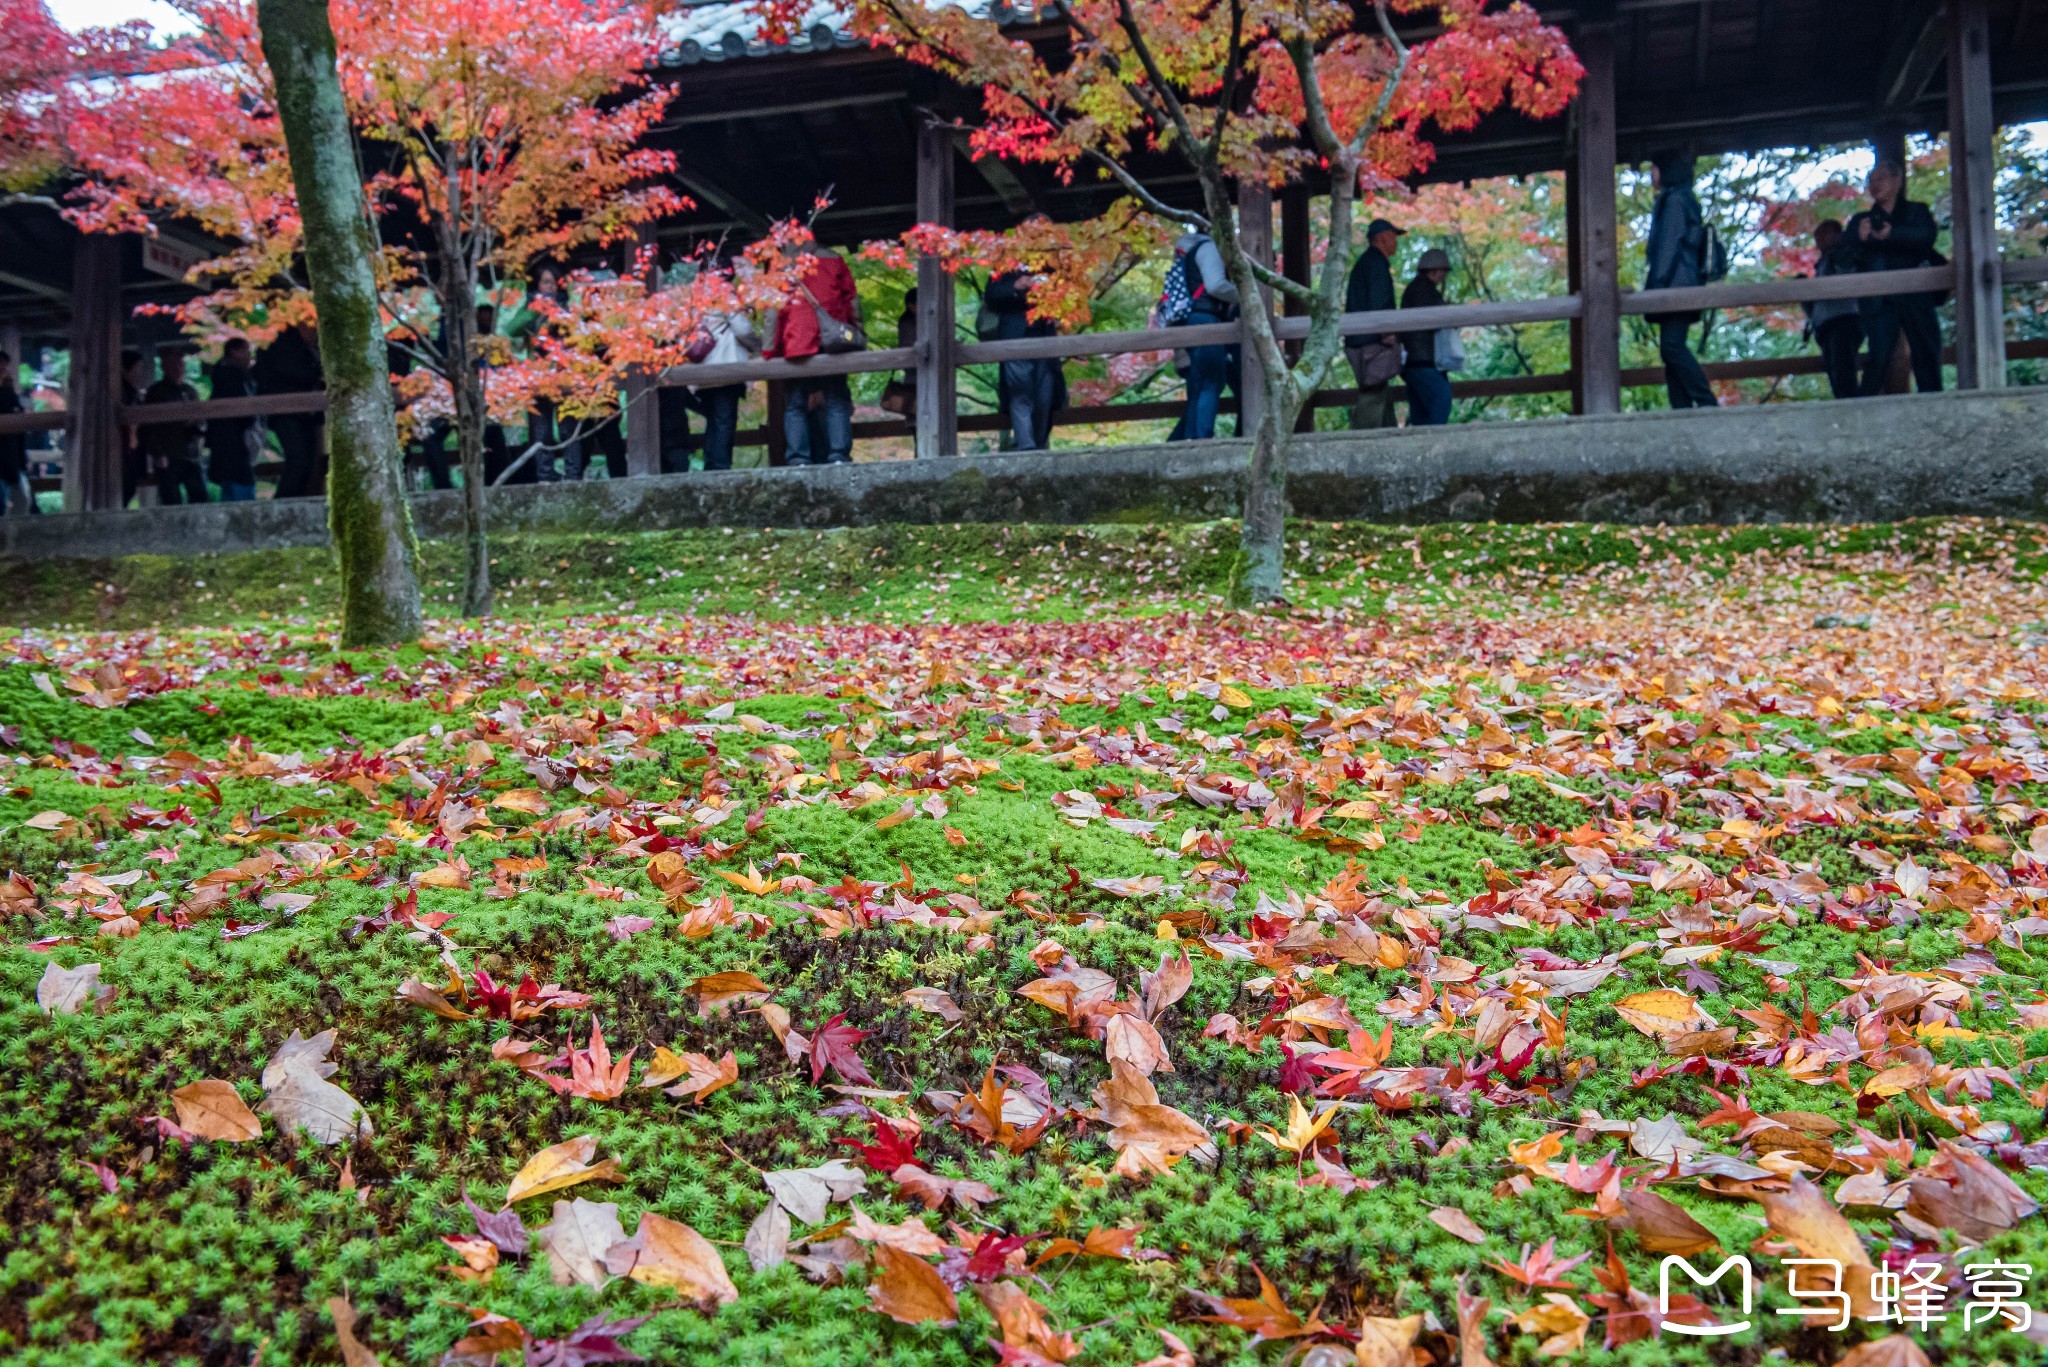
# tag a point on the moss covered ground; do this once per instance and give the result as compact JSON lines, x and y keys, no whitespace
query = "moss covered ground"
{"x":1620,"y":890}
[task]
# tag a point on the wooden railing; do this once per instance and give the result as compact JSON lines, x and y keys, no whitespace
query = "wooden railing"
{"x":1755,"y":294}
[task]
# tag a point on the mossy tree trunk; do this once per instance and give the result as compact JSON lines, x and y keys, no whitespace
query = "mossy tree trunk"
{"x":366,"y":505}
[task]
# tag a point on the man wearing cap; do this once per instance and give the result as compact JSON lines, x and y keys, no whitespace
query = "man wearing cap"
{"x":1429,"y":389}
{"x":1375,"y":359}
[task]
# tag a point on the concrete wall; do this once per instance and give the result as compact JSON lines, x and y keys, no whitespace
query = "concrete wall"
{"x":1870,"y":460}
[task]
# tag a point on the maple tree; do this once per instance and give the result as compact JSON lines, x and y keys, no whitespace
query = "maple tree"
{"x":495,"y":135}
{"x":1241,"y":93}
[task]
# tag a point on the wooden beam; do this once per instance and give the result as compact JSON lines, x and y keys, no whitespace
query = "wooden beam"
{"x":1913,"y":56}
{"x":1255,"y":238}
{"x":93,"y":445}
{"x":1980,"y":292}
{"x":708,"y":191}
{"x":1297,"y":263}
{"x":938,"y":429}
{"x":1702,"y":43}
{"x":1596,"y":338}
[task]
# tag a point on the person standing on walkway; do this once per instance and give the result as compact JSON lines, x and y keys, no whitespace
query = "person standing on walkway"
{"x":291,"y":365}
{"x":16,"y":498}
{"x":232,"y":443}
{"x":1199,"y":292}
{"x":134,"y":463}
{"x":1375,"y":357}
{"x":733,"y":340}
{"x":1896,"y":234}
{"x":1836,"y":324}
{"x":172,"y":448}
{"x":1029,"y":392}
{"x":1677,"y":251}
{"x":817,"y":414}
{"x":1429,"y":389}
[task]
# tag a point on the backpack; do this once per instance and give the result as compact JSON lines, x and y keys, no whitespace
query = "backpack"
{"x":1713,"y":256}
{"x":1182,"y":288}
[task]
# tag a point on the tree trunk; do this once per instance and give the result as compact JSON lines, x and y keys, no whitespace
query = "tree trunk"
{"x":1262,"y":542}
{"x":366,"y":505}
{"x":466,"y":391}
{"x":469,"y":441}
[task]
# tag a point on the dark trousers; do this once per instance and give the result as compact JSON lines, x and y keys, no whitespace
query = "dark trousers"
{"x":180,"y":481}
{"x":1883,"y":321}
{"x":606,"y":439}
{"x":434,"y":454}
{"x":1029,"y":387}
{"x":1208,"y":369}
{"x":1839,"y":340}
{"x":674,"y":406}
{"x":305,"y":458}
{"x":820,"y":434}
{"x":1429,"y":395}
{"x":1684,"y":381}
{"x":721,"y":408}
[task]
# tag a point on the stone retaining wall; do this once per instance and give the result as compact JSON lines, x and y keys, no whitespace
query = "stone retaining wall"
{"x":1871,"y":460}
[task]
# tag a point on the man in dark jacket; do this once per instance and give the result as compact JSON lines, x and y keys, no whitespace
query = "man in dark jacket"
{"x":1836,"y":324}
{"x":1896,"y":234}
{"x":231,"y":442}
{"x":1028,"y":392}
{"x":172,"y":448}
{"x":134,"y":463}
{"x":1677,"y":245}
{"x":1374,"y":359}
{"x":291,"y":365}
{"x":1429,"y":389}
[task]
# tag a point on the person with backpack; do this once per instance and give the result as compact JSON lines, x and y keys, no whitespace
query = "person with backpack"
{"x":1896,"y":234}
{"x":1375,"y":359}
{"x":1429,"y":389}
{"x":1198,"y":292}
{"x":1683,"y":252}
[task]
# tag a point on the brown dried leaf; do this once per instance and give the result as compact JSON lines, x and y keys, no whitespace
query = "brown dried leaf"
{"x":909,"y":1290}
{"x":211,"y":1109}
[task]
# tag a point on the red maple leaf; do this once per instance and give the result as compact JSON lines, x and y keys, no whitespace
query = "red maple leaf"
{"x":1541,"y":1268}
{"x":893,"y":1146}
{"x":832,"y":1046}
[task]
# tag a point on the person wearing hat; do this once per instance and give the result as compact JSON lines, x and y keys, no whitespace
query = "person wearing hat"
{"x":1429,"y":389}
{"x":1375,"y":358}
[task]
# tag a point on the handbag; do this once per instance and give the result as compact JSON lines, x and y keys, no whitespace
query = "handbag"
{"x":834,"y":336}
{"x":1377,"y":363}
{"x":900,"y":397}
{"x":701,"y":345}
{"x":1450,"y":350}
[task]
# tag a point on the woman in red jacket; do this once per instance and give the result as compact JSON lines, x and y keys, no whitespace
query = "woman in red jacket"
{"x":817,"y":415}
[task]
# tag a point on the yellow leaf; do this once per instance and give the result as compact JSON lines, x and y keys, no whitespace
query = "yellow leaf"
{"x":1232,"y":696}
{"x":1939,"y":1030}
{"x":1301,"y":1129}
{"x":531,"y":801}
{"x":1662,"y":1012}
{"x":561,"y":1165}
{"x":751,"y":881}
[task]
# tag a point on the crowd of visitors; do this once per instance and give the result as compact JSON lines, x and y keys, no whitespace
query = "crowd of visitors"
{"x":1863,"y":344}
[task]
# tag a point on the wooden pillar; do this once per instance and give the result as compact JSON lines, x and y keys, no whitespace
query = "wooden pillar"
{"x":1255,"y":239}
{"x":1297,"y":264}
{"x":643,"y":398}
{"x":1980,"y":289}
{"x":1596,"y":334}
{"x":778,"y":435}
{"x":938,"y":419}
{"x":93,"y":441}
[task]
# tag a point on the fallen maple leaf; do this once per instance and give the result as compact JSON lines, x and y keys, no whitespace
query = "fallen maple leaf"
{"x":1894,"y":1350}
{"x":1267,"y":1317}
{"x":592,"y":1074}
{"x":704,"y":1076}
{"x":1559,"y":1320}
{"x":1302,"y":1130}
{"x":909,"y":1290}
{"x":667,"y":1253}
{"x":354,"y":1352}
{"x":1024,"y":1327}
{"x":718,"y":991}
{"x":1662,"y":1013}
{"x":1804,"y":1215}
{"x":1147,"y":1136}
{"x":1662,"y":1226}
{"x":1540,"y":1268}
{"x":832,"y":1046}
{"x":1458,"y":1224}
{"x":211,"y":1109}
{"x":62,"y":991}
{"x":577,"y":1239}
{"x":932,"y":999}
{"x":299,"y":1097}
{"x":561,"y":1165}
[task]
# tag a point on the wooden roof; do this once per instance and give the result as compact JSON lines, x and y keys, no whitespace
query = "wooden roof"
{"x":760,"y":131}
